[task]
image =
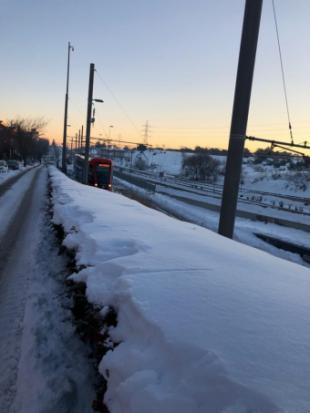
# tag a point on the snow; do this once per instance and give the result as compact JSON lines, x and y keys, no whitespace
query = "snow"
{"x":245,"y":229}
{"x":205,"y":324}
{"x":156,"y":160}
{"x":4,"y":176}
{"x":257,"y":177}
{"x":210,"y":199}
{"x":275,"y":179}
{"x":10,"y":200}
{"x":44,"y":367}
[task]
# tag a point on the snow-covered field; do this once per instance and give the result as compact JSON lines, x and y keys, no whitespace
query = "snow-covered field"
{"x":260,"y":177}
{"x":156,"y":160}
{"x":205,"y":324}
{"x":281,"y":180}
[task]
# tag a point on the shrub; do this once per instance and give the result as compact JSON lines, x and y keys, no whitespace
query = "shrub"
{"x":201,"y":166}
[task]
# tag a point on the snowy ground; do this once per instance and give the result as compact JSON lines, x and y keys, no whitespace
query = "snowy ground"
{"x":248,"y":206}
{"x":245,"y":229}
{"x":4,"y":176}
{"x":205,"y":324}
{"x":264,"y":177}
{"x":156,"y":160}
{"x":44,"y":368}
{"x":259,"y":177}
{"x":283,"y":202}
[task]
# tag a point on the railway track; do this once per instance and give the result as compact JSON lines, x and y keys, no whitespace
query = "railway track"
{"x":216,"y":189}
{"x":301,"y":250}
{"x":281,"y":244}
{"x":273,"y":215}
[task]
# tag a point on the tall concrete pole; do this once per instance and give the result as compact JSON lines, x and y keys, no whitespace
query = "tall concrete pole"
{"x":251,"y":23}
{"x":64,"y":142}
{"x":88,"y":119}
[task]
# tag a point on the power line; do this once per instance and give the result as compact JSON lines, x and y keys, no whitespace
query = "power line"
{"x":282,"y":71}
{"x":117,"y":101}
{"x":117,"y":140}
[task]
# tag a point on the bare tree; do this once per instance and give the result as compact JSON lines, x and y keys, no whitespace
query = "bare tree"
{"x":201,"y":166}
{"x":20,"y":139}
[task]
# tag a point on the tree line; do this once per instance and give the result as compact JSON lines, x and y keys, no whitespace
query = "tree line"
{"x":20,"y":139}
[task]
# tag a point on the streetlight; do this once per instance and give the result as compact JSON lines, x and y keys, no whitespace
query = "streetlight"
{"x":64,"y":144}
{"x":110,"y":131}
{"x":94,"y":109}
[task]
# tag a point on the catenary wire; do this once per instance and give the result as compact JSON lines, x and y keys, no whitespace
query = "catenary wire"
{"x":282,"y":71}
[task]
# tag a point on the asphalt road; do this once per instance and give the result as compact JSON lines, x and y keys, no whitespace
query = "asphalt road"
{"x":17,"y":245}
{"x":6,"y":185}
{"x":44,"y":367}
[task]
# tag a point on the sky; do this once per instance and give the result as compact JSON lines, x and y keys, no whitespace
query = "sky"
{"x":172,"y":63}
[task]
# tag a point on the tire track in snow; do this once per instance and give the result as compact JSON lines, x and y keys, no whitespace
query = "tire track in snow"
{"x":7,"y":184}
{"x":13,"y":285}
{"x":44,"y":368}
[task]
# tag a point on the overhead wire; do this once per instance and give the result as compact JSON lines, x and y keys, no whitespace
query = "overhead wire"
{"x":282,"y":71}
{"x":102,"y":123}
{"x":117,"y":101}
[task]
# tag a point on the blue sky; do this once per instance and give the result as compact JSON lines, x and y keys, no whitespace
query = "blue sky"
{"x":170,"y":62}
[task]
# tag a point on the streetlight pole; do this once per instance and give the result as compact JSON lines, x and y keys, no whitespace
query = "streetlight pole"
{"x":64,"y":142}
{"x":251,"y":23}
{"x":88,"y":119}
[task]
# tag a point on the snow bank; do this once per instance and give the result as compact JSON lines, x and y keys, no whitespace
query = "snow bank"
{"x":205,"y":324}
{"x":4,"y":176}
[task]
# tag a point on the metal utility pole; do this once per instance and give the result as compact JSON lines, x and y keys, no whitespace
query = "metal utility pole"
{"x":82,"y":130}
{"x":239,"y":120}
{"x":146,"y":133}
{"x":89,"y":119}
{"x":79,"y":141}
{"x":64,"y":142}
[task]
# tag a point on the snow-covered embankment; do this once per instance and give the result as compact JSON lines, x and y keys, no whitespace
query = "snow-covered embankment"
{"x":205,"y":324}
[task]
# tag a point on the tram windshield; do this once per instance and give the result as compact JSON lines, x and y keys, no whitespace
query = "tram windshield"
{"x":103,"y":174}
